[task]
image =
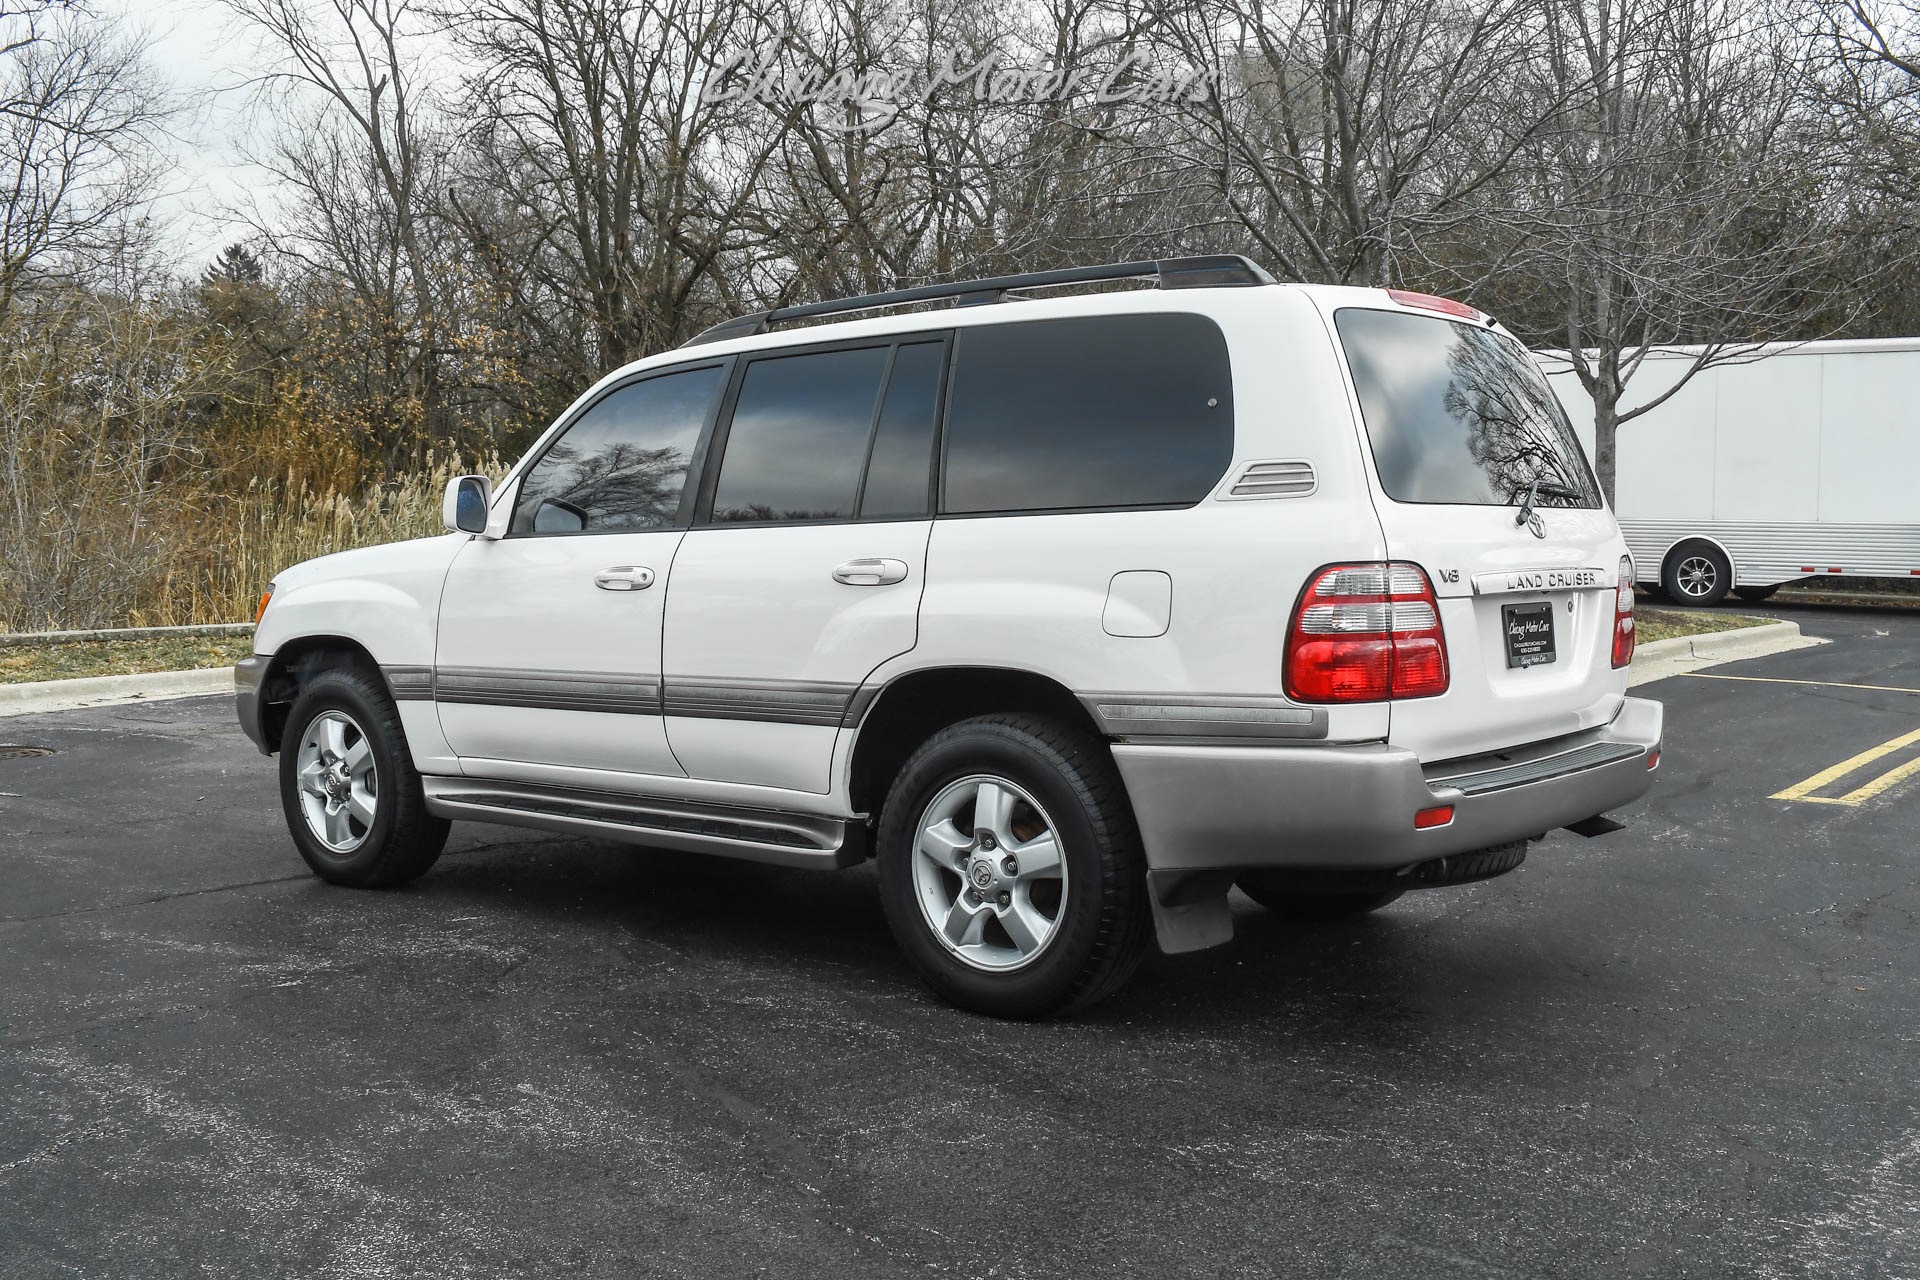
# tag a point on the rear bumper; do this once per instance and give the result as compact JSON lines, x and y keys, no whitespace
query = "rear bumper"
{"x":1352,"y":807}
{"x":247,"y":675}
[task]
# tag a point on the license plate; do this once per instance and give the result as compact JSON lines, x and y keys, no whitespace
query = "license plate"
{"x":1529,"y":629}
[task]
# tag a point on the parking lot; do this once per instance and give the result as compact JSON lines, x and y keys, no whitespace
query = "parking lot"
{"x":1689,"y":1048}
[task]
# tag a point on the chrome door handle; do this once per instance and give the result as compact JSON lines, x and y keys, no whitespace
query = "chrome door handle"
{"x":624,"y":577}
{"x":871,"y":572}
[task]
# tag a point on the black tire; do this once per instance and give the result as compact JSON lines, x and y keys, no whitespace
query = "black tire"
{"x":1103,"y":923}
{"x":1295,"y":905}
{"x":1696,"y":573}
{"x":403,"y":840}
{"x":1757,"y":594}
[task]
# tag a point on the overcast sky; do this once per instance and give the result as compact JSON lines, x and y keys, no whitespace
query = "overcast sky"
{"x":204,"y":54}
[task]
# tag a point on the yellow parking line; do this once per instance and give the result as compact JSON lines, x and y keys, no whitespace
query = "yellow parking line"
{"x":1822,"y":684}
{"x":1802,"y":791}
{"x":1881,"y":783}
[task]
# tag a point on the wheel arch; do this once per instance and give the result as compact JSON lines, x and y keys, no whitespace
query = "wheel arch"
{"x":295,"y":663}
{"x":891,"y":720}
{"x":1733,"y":563}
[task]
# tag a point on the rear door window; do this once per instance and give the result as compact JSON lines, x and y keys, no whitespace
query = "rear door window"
{"x":1088,"y":413}
{"x":1459,"y":414}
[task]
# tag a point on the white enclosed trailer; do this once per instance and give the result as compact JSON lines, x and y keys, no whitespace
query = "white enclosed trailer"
{"x":1804,"y":463}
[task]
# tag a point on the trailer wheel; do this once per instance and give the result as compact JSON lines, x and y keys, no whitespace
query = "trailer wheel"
{"x":1757,"y":594}
{"x":1697,"y":573}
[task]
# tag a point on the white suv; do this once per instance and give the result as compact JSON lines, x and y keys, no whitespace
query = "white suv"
{"x":1070,"y":612}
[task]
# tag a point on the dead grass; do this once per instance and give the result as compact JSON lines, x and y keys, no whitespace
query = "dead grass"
{"x":22,"y":664}
{"x":1671,"y":624}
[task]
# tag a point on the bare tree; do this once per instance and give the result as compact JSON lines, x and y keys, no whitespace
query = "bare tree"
{"x":1679,"y":198}
{"x":621,"y":190}
{"x":1347,"y":132}
{"x":362,"y":169}
{"x":78,"y":122}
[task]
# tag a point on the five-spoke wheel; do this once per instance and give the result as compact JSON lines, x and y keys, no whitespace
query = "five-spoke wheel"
{"x":1010,"y":867}
{"x":988,"y":872}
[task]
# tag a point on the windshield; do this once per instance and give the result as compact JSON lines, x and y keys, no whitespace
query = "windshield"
{"x":1457,"y":413}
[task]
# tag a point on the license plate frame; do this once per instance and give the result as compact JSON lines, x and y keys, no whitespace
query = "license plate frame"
{"x":1528,"y":634}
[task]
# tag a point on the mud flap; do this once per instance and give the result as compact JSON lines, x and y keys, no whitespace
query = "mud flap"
{"x":1190,"y":911}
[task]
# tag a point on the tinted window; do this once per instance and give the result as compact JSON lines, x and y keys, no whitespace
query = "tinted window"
{"x":622,"y":464}
{"x":901,"y":465}
{"x":799,"y":436}
{"x":1106,"y":411}
{"x":1458,"y":413}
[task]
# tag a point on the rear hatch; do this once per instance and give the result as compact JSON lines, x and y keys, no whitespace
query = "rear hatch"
{"x":1480,"y":480}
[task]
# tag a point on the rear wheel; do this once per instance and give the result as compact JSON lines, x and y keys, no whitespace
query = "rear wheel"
{"x":1757,"y":594}
{"x":1010,"y":868}
{"x":352,"y":797}
{"x":1293,"y":904}
{"x":1697,"y":573}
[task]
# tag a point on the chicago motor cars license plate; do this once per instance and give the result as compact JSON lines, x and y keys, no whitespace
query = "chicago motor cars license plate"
{"x":1529,"y":629}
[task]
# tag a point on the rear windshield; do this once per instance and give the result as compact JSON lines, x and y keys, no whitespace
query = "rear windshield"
{"x":1459,"y":414}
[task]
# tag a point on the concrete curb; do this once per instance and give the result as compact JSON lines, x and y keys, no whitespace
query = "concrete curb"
{"x":1665,"y":658}
{"x":100,"y":691}
{"x":13,"y":638}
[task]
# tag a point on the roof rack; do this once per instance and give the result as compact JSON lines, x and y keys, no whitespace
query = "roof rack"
{"x":1173,"y":273}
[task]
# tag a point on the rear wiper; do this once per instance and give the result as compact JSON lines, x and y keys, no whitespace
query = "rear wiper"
{"x":1535,"y":488}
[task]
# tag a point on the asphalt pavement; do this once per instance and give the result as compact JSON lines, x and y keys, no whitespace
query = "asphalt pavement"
{"x":1691,"y":1048}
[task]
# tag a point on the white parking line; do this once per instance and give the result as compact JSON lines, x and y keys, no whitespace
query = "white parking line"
{"x":1822,"y":684}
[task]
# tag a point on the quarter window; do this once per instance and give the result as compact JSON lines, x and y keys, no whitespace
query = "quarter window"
{"x":622,"y":465}
{"x":799,"y":437}
{"x":1094,"y":412}
{"x":901,"y":465}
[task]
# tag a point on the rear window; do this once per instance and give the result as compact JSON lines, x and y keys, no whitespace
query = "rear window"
{"x":1459,"y":414}
{"x":1094,"y":412}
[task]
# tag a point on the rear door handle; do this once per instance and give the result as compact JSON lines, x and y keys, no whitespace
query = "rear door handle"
{"x":624,"y":577}
{"x":871,"y":572}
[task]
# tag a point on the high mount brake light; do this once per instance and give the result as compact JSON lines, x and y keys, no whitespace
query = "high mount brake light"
{"x":1432,"y":302}
{"x":1366,"y":633}
{"x":1623,"y":615}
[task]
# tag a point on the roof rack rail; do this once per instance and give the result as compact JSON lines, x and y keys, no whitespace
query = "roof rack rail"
{"x":1173,"y":273}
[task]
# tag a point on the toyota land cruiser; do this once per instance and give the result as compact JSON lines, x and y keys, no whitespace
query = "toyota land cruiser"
{"x":1071,"y":612}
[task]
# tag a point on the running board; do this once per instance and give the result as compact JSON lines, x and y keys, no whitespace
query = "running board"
{"x":756,"y":835}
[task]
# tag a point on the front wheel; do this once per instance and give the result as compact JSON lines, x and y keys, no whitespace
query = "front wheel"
{"x":1010,"y":868}
{"x":347,"y":783}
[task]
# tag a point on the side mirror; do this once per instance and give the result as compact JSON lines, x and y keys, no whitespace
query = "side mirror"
{"x":464,"y":509}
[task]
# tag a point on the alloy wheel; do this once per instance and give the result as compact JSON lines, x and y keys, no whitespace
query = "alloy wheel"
{"x":1697,"y":577}
{"x":339,"y":785}
{"x":989,"y":873}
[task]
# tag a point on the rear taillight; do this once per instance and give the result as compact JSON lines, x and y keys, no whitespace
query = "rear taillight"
{"x":1365,"y":633}
{"x":1623,"y":615}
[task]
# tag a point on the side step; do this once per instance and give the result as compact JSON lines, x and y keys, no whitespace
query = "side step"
{"x":756,"y":835}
